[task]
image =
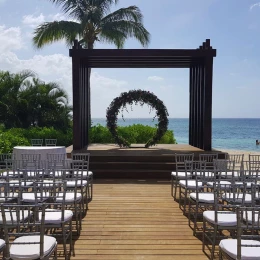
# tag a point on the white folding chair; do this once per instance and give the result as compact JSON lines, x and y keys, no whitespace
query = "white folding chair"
{"x":179,"y":173}
{"x":81,"y":161}
{"x":36,"y":142}
{"x":50,"y":142}
{"x":202,"y":198}
{"x":31,"y":161}
{"x":55,"y":160}
{"x":246,"y":245}
{"x":58,"y":219}
{"x":3,"y":158}
{"x":28,"y":241}
{"x":222,"y":218}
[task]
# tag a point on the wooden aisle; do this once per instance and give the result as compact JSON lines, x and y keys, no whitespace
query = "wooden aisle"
{"x":130,"y":219}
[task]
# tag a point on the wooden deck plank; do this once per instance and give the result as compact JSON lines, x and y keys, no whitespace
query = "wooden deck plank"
{"x":135,"y":221}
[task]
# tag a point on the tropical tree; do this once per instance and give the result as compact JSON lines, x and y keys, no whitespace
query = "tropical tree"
{"x":47,"y":105}
{"x":91,"y":21}
{"x":11,"y":104}
{"x":27,"y":101}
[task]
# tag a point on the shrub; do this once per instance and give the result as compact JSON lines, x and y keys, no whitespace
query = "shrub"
{"x":19,"y":136}
{"x":63,"y":138}
{"x":8,"y":141}
{"x":137,"y":133}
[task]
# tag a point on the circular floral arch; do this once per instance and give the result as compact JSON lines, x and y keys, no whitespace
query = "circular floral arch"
{"x":135,"y":96}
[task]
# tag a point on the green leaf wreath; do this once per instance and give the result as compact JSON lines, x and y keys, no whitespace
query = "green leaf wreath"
{"x":134,"y":97}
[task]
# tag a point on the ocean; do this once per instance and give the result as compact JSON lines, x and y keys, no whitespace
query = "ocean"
{"x":227,"y":133}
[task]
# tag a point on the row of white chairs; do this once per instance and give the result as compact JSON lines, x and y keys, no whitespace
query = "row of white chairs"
{"x":208,"y":187}
{"x":54,"y":161}
{"x":24,"y":231}
{"x":62,"y":204}
{"x":27,"y":186}
{"x":237,"y":160}
{"x":39,"y":142}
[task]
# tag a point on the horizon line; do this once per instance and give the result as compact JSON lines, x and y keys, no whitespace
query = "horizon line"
{"x":181,"y":118}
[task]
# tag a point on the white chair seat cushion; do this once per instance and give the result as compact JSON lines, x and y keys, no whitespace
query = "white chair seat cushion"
{"x":31,"y":251}
{"x":248,"y":184}
{"x":12,"y":217}
{"x":87,"y":173}
{"x":229,"y":174}
{"x":255,"y":174}
{"x":30,"y":197}
{"x":229,"y":246}
{"x":69,"y":197}
{"x":224,"y":183}
{"x":77,"y":183}
{"x":237,"y":197}
{"x":225,"y":218}
{"x":190,"y":184}
{"x":59,"y":173}
{"x":47,"y":182}
{"x":2,"y":244}
{"x":11,"y":173}
{"x":205,"y":197}
{"x":180,"y":175}
{"x":53,"y":216}
{"x":15,"y":183}
{"x":6,"y":197}
{"x":204,"y":174}
{"x":34,"y":174}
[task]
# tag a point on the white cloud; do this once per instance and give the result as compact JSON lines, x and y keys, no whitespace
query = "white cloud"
{"x":10,"y":39}
{"x":103,"y":91}
{"x":2,"y":1}
{"x":254,"y":5}
{"x":155,"y":78}
{"x":32,"y":20}
{"x":57,"y":17}
{"x":49,"y":68}
{"x":58,"y":68}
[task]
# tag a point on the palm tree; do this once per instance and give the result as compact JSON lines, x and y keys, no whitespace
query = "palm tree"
{"x":91,"y":22}
{"x":11,"y":104}
{"x":25,"y":101}
{"x":46,"y":104}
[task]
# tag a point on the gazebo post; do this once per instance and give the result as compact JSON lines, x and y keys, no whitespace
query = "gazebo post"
{"x":81,"y":85}
{"x":208,"y":77}
{"x":207,"y":128}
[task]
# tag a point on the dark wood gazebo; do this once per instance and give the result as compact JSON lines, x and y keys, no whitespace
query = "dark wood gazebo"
{"x":199,"y":61}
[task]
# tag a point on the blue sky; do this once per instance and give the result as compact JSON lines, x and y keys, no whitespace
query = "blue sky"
{"x":232,"y":25}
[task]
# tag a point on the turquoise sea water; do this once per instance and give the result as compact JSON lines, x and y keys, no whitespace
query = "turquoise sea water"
{"x":228,"y":133}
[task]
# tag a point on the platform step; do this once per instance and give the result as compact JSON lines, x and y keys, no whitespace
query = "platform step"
{"x":130,"y":174}
{"x":145,"y":158}
{"x":133,"y":165}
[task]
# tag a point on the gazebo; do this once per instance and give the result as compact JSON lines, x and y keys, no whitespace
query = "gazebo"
{"x":199,"y":61}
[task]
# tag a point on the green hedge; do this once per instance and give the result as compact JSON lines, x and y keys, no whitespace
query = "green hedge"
{"x":8,"y":141}
{"x":19,"y":136}
{"x":136,"y":134}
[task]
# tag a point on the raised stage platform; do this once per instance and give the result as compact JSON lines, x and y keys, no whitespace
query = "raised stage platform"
{"x":157,"y":162}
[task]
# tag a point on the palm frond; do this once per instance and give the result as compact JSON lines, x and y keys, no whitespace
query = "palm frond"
{"x":55,"y":31}
{"x":125,"y":29}
{"x":104,"y":5}
{"x":114,"y":36}
{"x":25,"y":74}
{"x":66,"y":5}
{"x":131,"y":13}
